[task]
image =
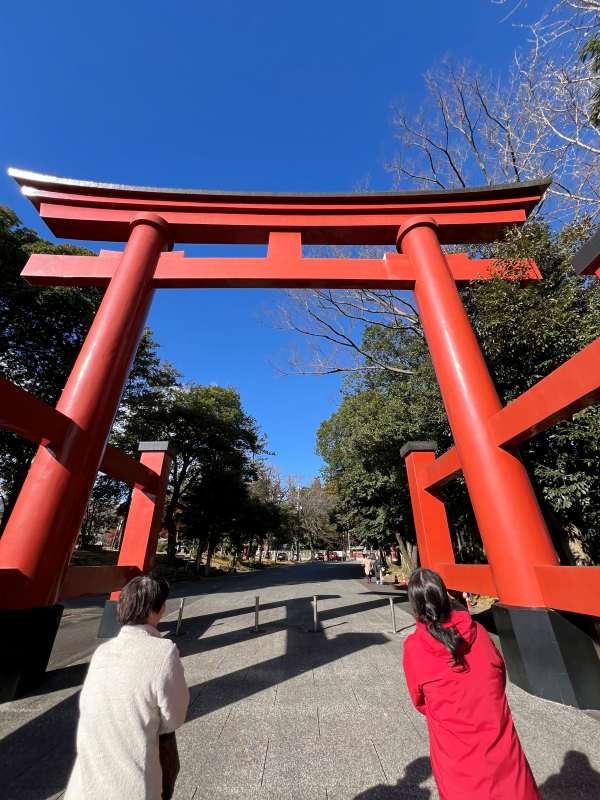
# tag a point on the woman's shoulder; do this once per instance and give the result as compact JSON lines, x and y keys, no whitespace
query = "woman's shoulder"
{"x":145,"y":640}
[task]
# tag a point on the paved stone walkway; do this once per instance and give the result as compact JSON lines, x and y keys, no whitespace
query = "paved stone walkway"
{"x":289,"y":714}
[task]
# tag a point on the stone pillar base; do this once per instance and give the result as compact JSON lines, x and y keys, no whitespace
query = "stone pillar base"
{"x":551,"y":654}
{"x":28,"y":636}
{"x":109,"y":626}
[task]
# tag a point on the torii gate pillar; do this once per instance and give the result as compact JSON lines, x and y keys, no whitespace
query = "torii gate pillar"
{"x":44,"y":524}
{"x":546,"y":652}
{"x":511,"y":524}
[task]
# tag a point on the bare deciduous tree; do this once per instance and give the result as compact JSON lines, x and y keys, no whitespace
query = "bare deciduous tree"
{"x":333,"y":322}
{"x":472,"y":129}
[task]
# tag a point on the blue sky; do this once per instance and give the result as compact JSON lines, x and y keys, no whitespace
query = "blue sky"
{"x":231,"y":95}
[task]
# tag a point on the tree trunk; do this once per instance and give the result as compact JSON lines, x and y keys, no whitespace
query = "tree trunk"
{"x":171,"y":538}
{"x":169,"y":523}
{"x":559,"y":536}
{"x":86,"y":528}
{"x":177,"y":479}
{"x":209,"y":555}
{"x":409,"y":556}
{"x":199,"y":552}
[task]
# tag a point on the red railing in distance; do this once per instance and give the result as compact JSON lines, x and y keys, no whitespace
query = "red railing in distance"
{"x":31,"y":418}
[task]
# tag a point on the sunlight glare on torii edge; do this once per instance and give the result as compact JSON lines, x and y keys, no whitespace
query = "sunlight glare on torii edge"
{"x":103,"y":211}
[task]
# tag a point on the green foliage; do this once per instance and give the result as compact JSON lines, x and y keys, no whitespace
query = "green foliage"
{"x":41,"y":329}
{"x":215,"y":443}
{"x":528,"y":331}
{"x":41,"y":332}
{"x":525,"y":332}
{"x":591,"y":51}
{"x":361,"y":442}
{"x":317,"y":527}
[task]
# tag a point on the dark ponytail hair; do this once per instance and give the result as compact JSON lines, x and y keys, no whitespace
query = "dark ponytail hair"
{"x":428,"y":598}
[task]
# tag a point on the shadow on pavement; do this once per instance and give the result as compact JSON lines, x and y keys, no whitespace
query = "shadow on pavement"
{"x":389,"y":590}
{"x":27,"y":747}
{"x":407,"y":788}
{"x":298,"y":613}
{"x":299,"y":658}
{"x":61,"y":678}
{"x":577,"y":778}
{"x":42,"y":750}
{"x":294,"y":575}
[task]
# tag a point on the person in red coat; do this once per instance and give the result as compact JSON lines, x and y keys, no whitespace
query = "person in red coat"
{"x":457,"y":679}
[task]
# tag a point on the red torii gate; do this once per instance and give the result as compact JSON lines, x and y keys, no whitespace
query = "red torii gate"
{"x":43,"y":527}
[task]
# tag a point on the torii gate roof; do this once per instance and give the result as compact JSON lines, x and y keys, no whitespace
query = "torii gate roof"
{"x":88,"y":210}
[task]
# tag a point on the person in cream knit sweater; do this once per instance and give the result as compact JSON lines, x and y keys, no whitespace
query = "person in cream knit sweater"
{"x":133,"y":699}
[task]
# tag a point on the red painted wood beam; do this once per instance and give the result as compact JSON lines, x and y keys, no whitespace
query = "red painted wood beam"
{"x":442,"y":470}
{"x":470,"y":200}
{"x":569,"y":388}
{"x":146,"y":512}
{"x":512,"y":527}
{"x":429,"y":511}
{"x":29,"y":417}
{"x":112,"y":225}
{"x":123,"y":467}
{"x":283,"y":270}
{"x":103,"y":212}
{"x":81,"y":581}
{"x":574,"y":589}
{"x":476,"y":578}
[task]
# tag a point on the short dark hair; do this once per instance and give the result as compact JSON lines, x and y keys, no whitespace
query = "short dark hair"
{"x":140,"y":597}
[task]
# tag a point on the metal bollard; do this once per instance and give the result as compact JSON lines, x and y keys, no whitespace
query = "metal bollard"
{"x":393,"y":612}
{"x":315,"y":613}
{"x":179,"y":619}
{"x":256,"y":612}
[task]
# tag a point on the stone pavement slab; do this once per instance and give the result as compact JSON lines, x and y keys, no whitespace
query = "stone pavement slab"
{"x":288,"y":714}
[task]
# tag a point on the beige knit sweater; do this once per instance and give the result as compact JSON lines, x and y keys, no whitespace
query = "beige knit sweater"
{"x":134,"y":691}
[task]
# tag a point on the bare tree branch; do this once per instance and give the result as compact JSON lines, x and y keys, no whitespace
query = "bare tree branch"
{"x":531,"y":121}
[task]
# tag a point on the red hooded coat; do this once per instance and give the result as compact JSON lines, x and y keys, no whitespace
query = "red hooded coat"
{"x":474,"y":748}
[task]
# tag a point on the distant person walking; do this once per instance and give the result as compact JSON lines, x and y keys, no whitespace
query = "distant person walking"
{"x":378,"y":569}
{"x":368,"y":567}
{"x":133,"y":699}
{"x":457,"y":679}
